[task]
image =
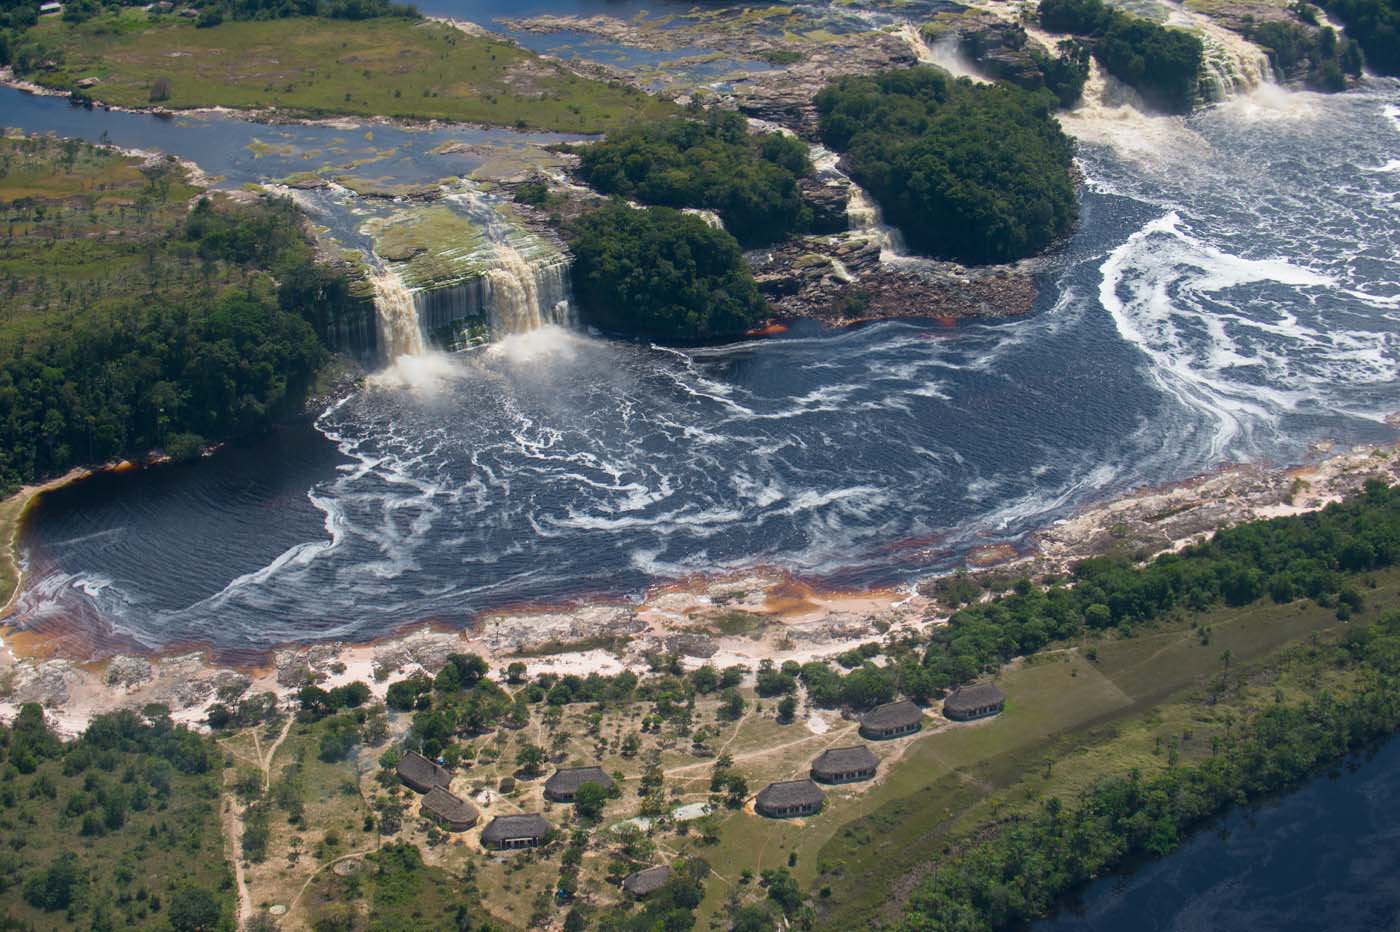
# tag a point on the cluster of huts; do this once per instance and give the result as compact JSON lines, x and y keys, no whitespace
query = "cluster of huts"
{"x":790,"y":798}
{"x":785,"y":799}
{"x":505,"y":832}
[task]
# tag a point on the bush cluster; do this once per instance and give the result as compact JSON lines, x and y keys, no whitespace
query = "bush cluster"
{"x":1161,"y":64}
{"x":714,"y":163}
{"x":975,"y":173}
{"x":660,"y":273}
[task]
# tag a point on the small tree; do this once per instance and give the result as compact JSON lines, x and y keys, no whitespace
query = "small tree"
{"x":160,"y":90}
{"x":590,"y":800}
{"x":787,"y":709}
{"x":194,"y":910}
{"x":530,"y":759}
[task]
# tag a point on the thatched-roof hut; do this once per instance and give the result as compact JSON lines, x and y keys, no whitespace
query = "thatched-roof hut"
{"x":516,"y":831}
{"x":891,"y":720}
{"x":791,"y":798}
{"x":421,"y":774}
{"x":648,"y":881}
{"x":845,"y":765}
{"x":563,"y":786}
{"x":977,"y":701}
{"x":448,"y":811}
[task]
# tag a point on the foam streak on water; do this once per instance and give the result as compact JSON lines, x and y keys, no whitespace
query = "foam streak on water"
{"x":1233,"y":293}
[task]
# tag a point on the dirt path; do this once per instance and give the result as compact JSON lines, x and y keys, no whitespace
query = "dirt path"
{"x":232,"y":817}
{"x":833,"y":735}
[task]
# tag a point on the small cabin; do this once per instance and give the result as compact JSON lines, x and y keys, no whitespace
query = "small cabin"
{"x":420,"y":774}
{"x":509,"y":832}
{"x":564,"y":785}
{"x":789,"y":799}
{"x":891,"y":720}
{"x":50,"y":9}
{"x":646,"y":882}
{"x":449,"y":811}
{"x":845,"y":765}
{"x":970,"y":702}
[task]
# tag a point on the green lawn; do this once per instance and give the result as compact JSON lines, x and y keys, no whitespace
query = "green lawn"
{"x":1068,"y":721}
{"x":389,"y":67}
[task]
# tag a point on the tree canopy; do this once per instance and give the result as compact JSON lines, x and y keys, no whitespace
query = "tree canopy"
{"x":715,"y":163}
{"x":660,"y":273}
{"x":1161,"y":64}
{"x":976,"y":173}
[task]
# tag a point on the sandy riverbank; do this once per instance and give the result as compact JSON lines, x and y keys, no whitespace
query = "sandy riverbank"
{"x":12,"y":511}
{"x":742,"y":618}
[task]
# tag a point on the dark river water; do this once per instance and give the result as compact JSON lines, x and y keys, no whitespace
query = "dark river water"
{"x":1232,"y":293}
{"x":1324,"y":859}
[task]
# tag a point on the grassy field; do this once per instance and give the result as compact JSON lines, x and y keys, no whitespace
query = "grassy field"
{"x":84,"y":230}
{"x":1068,"y":721}
{"x":389,"y":67}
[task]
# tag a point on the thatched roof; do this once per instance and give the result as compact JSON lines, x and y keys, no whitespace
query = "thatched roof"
{"x":567,"y":780}
{"x":420,"y":773}
{"x":845,"y":760}
{"x":892,"y":715}
{"x":789,"y":793}
{"x":449,"y":808}
{"x":643,"y":882}
{"x":977,"y":696}
{"x":506,"y":827}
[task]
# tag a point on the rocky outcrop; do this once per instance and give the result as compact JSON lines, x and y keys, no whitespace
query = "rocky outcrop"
{"x":841,"y":280}
{"x":828,"y":202}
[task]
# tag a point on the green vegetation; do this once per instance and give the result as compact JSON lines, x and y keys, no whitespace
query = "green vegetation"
{"x":389,"y":66}
{"x":1324,"y":60}
{"x":1375,"y":25}
{"x":661,"y":273}
{"x":118,"y":829}
{"x":1314,"y":555}
{"x":132,"y":324}
{"x":1064,"y":74}
{"x":750,"y":180}
{"x":969,"y":172}
{"x":1161,"y":64}
{"x":1026,"y":867}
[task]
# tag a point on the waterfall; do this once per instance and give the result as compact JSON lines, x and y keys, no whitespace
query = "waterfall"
{"x":943,"y":53}
{"x":1232,"y":65}
{"x":521,"y":297}
{"x":864,"y":216}
{"x":399,"y":331}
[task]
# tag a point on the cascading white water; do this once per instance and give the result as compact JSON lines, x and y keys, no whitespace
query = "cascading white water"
{"x":943,"y":53}
{"x":399,"y":330}
{"x":1232,"y":65}
{"x":521,"y":297}
{"x":863,"y":215}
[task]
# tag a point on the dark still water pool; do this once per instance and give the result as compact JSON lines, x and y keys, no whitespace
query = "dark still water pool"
{"x":1324,"y":859}
{"x":1233,"y":292}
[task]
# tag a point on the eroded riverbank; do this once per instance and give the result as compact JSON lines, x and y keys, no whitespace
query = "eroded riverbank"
{"x":742,"y":618}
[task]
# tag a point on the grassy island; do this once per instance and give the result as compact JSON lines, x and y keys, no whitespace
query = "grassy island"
{"x":387,"y":66}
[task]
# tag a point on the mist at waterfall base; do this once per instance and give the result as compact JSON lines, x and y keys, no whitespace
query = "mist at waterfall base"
{"x":1233,"y":292}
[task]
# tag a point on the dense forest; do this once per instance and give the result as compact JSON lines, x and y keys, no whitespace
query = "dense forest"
{"x":712,"y":162}
{"x":658,"y":272}
{"x":116,"y":830}
{"x":1161,"y":64}
{"x":202,"y":325}
{"x":1023,"y":871}
{"x":976,"y":173}
{"x":1322,"y":59}
{"x":1375,"y":25}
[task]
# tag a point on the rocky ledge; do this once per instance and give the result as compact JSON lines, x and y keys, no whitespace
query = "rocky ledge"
{"x":841,"y":280}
